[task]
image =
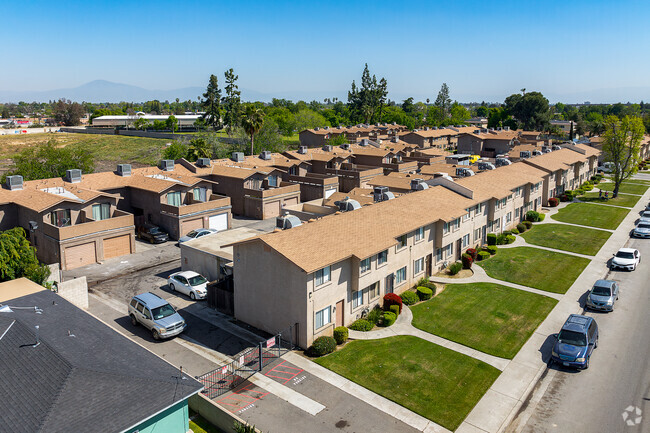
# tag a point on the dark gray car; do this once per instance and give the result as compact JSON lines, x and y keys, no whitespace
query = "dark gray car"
{"x":603,"y":295}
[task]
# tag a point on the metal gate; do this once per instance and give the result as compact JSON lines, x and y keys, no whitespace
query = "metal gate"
{"x":247,"y":363}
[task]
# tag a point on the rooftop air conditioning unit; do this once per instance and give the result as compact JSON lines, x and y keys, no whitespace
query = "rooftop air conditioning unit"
{"x":395,"y":139}
{"x":537,"y":152}
{"x":203,"y":162}
{"x":15,"y":182}
{"x":364,"y":142}
{"x":345,"y":146}
{"x":555,"y":147}
{"x":124,"y":170}
{"x":265,"y":155}
{"x":73,"y":175}
{"x":464,"y":172}
{"x":484,"y":165}
{"x":327,"y":148}
{"x":503,"y":161}
{"x":238,"y":156}
{"x":347,"y":204}
{"x":418,"y":185}
{"x":416,"y":130}
{"x":426,"y":128}
{"x":506,"y":128}
{"x":302,"y":150}
{"x":477,"y":131}
{"x":287,"y":221}
{"x":317,"y":129}
{"x":525,"y":154}
{"x":381,"y":193}
{"x":167,"y":165}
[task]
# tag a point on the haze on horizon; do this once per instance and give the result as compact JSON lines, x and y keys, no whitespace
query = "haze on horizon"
{"x":482,"y":50}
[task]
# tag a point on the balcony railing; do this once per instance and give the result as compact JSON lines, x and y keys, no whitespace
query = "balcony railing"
{"x":215,"y":201}
{"x":119,"y":219}
{"x":284,"y":188}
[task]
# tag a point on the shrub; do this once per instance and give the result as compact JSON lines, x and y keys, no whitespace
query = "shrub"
{"x":510,"y":239}
{"x":408,"y":298}
{"x":593,"y":178}
{"x":322,"y":346}
{"x":501,"y":239}
{"x":392,"y":299}
{"x":532,"y":215}
{"x":341,"y":334}
{"x":375,"y":315}
{"x":553,"y":202}
{"x":467,"y":261}
{"x":491,"y":239}
{"x":507,"y":232}
{"x":389,"y":318}
{"x":492,"y":249}
{"x":362,"y":325}
{"x":514,"y":231}
{"x":521,"y":227}
{"x":455,"y":268}
{"x":472,"y":252}
{"x":394,"y":309}
{"x":425,"y":282}
{"x":541,"y":217}
{"x":528,"y":224}
{"x":482,"y":255}
{"x":424,"y":293}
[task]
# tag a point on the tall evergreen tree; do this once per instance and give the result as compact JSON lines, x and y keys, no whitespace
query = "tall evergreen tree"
{"x":231,"y":101}
{"x":212,"y":104}
{"x":443,"y":101}
{"x":366,"y":103}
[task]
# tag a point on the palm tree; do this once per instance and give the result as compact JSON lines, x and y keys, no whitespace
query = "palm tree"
{"x":252,"y":122}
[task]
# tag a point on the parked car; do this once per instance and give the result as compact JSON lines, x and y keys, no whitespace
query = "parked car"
{"x":576,"y":342}
{"x":152,"y":233}
{"x":626,"y":258}
{"x":607,"y":167}
{"x":189,"y":283}
{"x":195,"y":234}
{"x":155,"y":314}
{"x":603,"y":295}
{"x":642,"y":229}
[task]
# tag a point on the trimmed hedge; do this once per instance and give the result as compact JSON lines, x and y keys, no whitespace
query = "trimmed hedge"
{"x":482,"y":255}
{"x":532,"y":215}
{"x":528,"y":224}
{"x":408,"y":298}
{"x":389,"y":318}
{"x":501,"y":239}
{"x":392,"y":299}
{"x":542,"y":216}
{"x":467,"y":261}
{"x":455,"y":268}
{"x":492,"y":249}
{"x":553,"y":202}
{"x":394,"y":309}
{"x":322,"y":346}
{"x":514,"y":231}
{"x":521,"y":227}
{"x":510,"y":239}
{"x":341,"y":334}
{"x":424,"y":293}
{"x":491,"y":239}
{"x":362,"y":325}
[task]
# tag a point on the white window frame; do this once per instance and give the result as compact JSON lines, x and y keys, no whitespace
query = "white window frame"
{"x":400,"y":272}
{"x":364,"y":265}
{"x":465,"y":241}
{"x":418,"y":266}
{"x":508,"y":217}
{"x":385,"y":260}
{"x":445,"y":227}
{"x":468,"y":215}
{"x":439,"y":255}
{"x":325,"y":276}
{"x":357,"y":299}
{"x":373,"y":291}
{"x":401,"y":244}
{"x":322,"y":321}
{"x":419,"y":234}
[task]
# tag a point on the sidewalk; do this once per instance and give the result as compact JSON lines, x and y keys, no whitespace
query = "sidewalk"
{"x":503,"y":400}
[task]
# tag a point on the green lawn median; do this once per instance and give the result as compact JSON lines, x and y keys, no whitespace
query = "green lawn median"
{"x":564,"y":237}
{"x":625,"y":200}
{"x":592,"y":215}
{"x":627,"y":187}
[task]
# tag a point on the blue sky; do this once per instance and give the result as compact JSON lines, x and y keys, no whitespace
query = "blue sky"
{"x":482,"y":49}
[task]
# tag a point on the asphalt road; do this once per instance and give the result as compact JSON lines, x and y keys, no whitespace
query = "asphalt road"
{"x":594,"y":400}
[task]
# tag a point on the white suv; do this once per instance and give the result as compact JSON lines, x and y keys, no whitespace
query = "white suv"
{"x":155,"y":314}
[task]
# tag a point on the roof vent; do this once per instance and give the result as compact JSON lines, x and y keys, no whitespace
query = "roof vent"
{"x":73,"y":175}
{"x":302,"y":150}
{"x":265,"y":155}
{"x":418,"y":185}
{"x":203,"y":162}
{"x":347,"y":204}
{"x":238,"y":156}
{"x":124,"y":170}
{"x":327,"y":148}
{"x":287,"y":221}
{"x":15,"y":182}
{"x":167,"y":164}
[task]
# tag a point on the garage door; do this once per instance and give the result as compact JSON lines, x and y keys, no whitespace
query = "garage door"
{"x":329,"y":192}
{"x":188,"y":226}
{"x":117,"y":246}
{"x":272,"y":209}
{"x":80,"y":255}
{"x":291,"y":201}
{"x":219,"y":222}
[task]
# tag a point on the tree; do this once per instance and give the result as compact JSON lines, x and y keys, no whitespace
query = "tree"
{"x":307,"y":119}
{"x":531,"y":110}
{"x":443,"y":101}
{"x":252,"y":121}
{"x":175,"y":150}
{"x":231,"y":101}
{"x":367,"y":102}
{"x":67,"y":112}
{"x":172,"y":123}
{"x":18,"y":258}
{"x":459,"y":114}
{"x":622,"y":145}
{"x":212,"y":104}
{"x":47,"y":160}
{"x":141,"y":123}
{"x":198,"y":148}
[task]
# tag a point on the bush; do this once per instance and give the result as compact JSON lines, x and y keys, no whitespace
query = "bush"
{"x":362,"y":325}
{"x":482,"y":255}
{"x":424,"y":293}
{"x":392,"y":299}
{"x":341,"y":334}
{"x":553,"y":202}
{"x":491,"y":239}
{"x":541,"y":217}
{"x":528,"y":224}
{"x":467,"y":261}
{"x":389,"y":318}
{"x":472,"y":252}
{"x":374,"y":316}
{"x":521,"y":227}
{"x":425,"y":282}
{"x":394,"y":309}
{"x":510,"y":239}
{"x":455,"y":268}
{"x":532,"y":215}
{"x":492,"y":249}
{"x":322,"y":346}
{"x":408,"y":298}
{"x":501,"y":239}
{"x":514,"y":231}
{"x":564,"y":197}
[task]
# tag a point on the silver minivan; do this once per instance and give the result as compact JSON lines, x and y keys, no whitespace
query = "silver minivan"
{"x":157,"y":315}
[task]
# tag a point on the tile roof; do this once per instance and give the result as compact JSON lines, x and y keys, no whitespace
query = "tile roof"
{"x":556,"y":160}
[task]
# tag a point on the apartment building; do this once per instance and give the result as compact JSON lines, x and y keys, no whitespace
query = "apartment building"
{"x":318,"y":137}
{"x":438,"y":138}
{"x":487,"y":143}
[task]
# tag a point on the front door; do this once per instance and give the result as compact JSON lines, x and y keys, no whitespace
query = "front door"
{"x":389,"y":283}
{"x":459,"y":248}
{"x":428,"y":265}
{"x":339,"y":313}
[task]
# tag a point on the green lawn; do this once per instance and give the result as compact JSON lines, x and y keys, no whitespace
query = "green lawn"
{"x":432,"y":381}
{"x":532,"y":267}
{"x":492,"y":318}
{"x":626,"y":187}
{"x":201,"y":425}
{"x":568,"y":238}
{"x":625,"y":200}
{"x":587,"y":214}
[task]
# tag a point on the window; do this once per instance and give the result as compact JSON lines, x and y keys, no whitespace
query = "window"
{"x":322,"y":276}
{"x":373,"y":291}
{"x":200,"y":194}
{"x":419,"y":234}
{"x":382,"y":257}
{"x":467,"y":215}
{"x":445,"y":228}
{"x":418,"y":266}
{"x":466,"y":241}
{"x":323,"y":317}
{"x":477,"y":234}
{"x":365,"y":265}
{"x":293,"y":170}
{"x":455,"y":224}
{"x":401,"y":242}
{"x":174,"y":198}
{"x":60,"y":218}
{"x":147,"y":314}
{"x":438,"y":254}
{"x":479,"y":208}
{"x":101,"y":211}
{"x":508,"y":217}
{"x":449,"y":249}
{"x":400,"y":276}
{"x":497,"y":224}
{"x":357,"y":298}
{"x":273,"y":180}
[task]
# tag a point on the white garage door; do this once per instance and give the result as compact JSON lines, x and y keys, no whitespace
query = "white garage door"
{"x":219,"y":222}
{"x":80,"y":255}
